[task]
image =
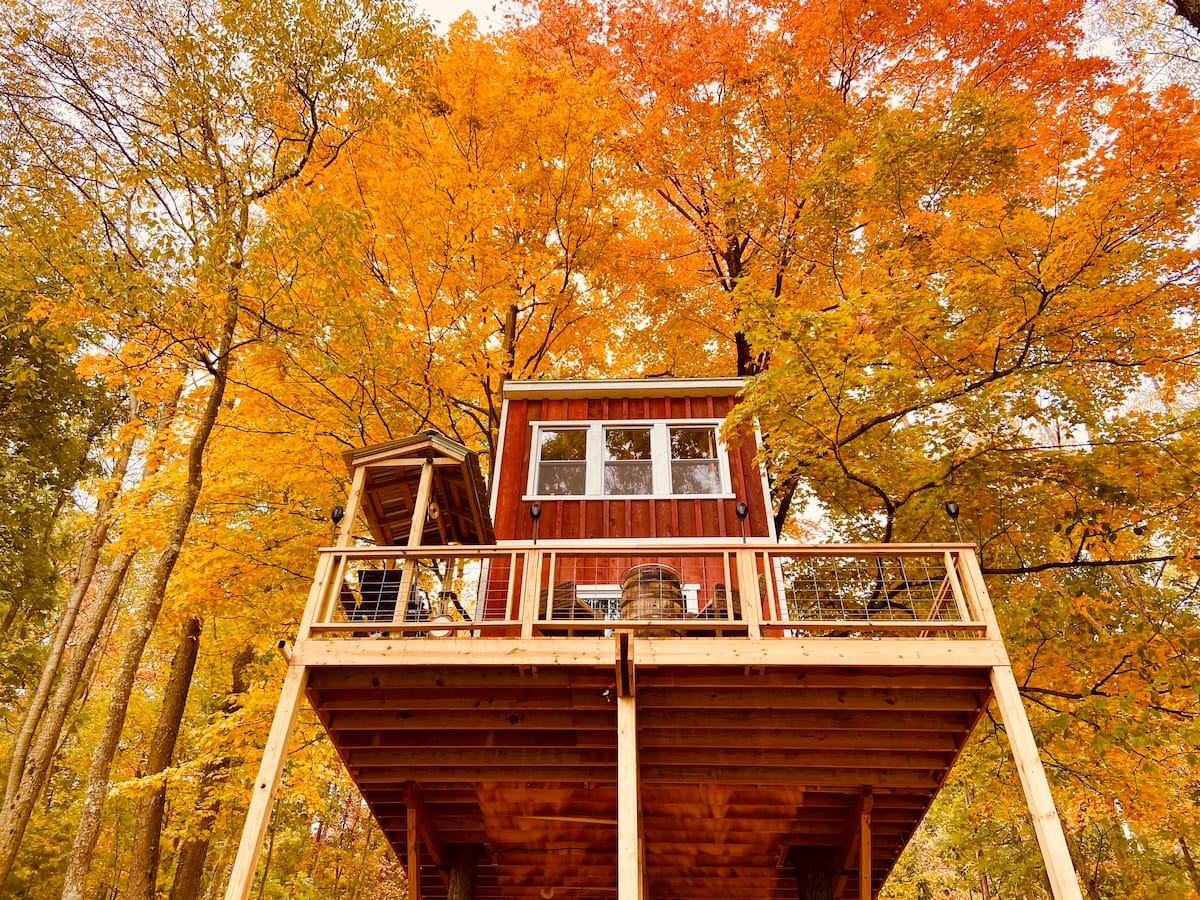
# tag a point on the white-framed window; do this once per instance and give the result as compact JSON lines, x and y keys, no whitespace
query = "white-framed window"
{"x":628,"y":460}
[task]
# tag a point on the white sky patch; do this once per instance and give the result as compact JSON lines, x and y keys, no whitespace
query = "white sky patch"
{"x":444,"y":12}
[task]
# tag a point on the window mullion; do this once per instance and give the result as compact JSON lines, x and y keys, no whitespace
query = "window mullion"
{"x":595,"y":459}
{"x":660,"y":453}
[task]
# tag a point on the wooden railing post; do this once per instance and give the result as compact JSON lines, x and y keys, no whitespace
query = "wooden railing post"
{"x":752,"y":611}
{"x":529,"y":591}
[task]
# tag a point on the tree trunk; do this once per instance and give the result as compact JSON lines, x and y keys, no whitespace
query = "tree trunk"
{"x":75,"y":886}
{"x":463,"y":868}
{"x":89,"y":557}
{"x":147,"y":830}
{"x":1189,"y":864}
{"x":15,"y":815}
{"x":193,"y":848}
{"x":29,"y":782}
{"x":1190,"y":10}
{"x":814,"y":872}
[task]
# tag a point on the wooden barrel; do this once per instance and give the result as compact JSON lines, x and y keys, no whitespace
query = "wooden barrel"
{"x":651,"y":591}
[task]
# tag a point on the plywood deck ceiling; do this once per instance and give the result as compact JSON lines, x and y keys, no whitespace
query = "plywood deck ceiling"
{"x":736,"y":766}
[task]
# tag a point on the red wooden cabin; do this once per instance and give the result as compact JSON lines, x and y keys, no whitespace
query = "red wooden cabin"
{"x":614,"y":680}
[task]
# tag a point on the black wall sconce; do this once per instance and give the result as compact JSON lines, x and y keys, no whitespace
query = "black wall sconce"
{"x":535,"y":513}
{"x":952,"y":512}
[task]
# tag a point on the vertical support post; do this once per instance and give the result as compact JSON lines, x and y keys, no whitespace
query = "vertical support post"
{"x":751,"y":598}
{"x":1060,"y":871}
{"x":415,"y":530}
{"x":864,"y":847}
{"x":630,"y":883}
{"x":532,"y":570}
{"x":412,"y":861}
{"x":421,"y":504}
{"x":1064,"y":883}
{"x":353,"y":502}
{"x":316,"y":610}
{"x":269,"y":772}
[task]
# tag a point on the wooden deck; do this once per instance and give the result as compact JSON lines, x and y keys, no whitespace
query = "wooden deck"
{"x":735,"y":766}
{"x":677,"y":756}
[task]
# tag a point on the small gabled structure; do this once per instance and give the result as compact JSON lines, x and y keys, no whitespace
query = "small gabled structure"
{"x":456,"y":507}
{"x":627,"y":686}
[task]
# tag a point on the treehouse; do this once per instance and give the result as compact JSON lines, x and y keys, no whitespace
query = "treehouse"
{"x":613,"y":680}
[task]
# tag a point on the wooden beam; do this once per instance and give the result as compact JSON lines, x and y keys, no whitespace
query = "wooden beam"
{"x":625,"y":669}
{"x":421,"y":505}
{"x":850,"y":843}
{"x":1064,"y":883}
{"x":550,"y":758}
{"x":598,"y":651}
{"x":353,"y":503}
{"x":750,"y":698}
{"x":864,"y":847}
{"x":459,"y":719}
{"x":270,"y":770}
{"x":433,"y":843}
{"x":630,"y":880}
{"x":412,"y":859}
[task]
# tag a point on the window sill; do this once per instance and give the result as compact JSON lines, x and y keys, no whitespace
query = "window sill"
{"x":550,"y":498}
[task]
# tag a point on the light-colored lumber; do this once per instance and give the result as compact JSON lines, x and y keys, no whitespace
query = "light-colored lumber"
{"x":1060,"y":871}
{"x":864,"y":847}
{"x":412,"y":858}
{"x":421,"y":505}
{"x":353,"y":504}
{"x":270,"y":770}
{"x":680,"y":651}
{"x":630,"y":881}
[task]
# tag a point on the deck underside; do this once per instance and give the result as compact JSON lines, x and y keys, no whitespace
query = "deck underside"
{"x":736,"y":765}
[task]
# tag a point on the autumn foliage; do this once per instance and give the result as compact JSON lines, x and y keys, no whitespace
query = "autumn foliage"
{"x":954,"y":248}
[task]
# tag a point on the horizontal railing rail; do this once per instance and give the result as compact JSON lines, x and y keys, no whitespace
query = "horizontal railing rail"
{"x":662,"y":588}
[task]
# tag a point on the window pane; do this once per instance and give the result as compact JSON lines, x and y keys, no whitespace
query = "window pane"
{"x":629,"y":477}
{"x":568,"y":444}
{"x":695,"y":477}
{"x":693,"y":443}
{"x":562,"y":478}
{"x":626,"y":443}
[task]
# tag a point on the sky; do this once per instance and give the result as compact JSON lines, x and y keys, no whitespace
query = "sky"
{"x":446,"y":11}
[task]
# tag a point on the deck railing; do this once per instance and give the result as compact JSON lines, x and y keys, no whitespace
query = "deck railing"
{"x":665,"y":588}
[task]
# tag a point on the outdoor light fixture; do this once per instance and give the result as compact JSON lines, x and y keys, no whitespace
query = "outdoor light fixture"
{"x":952,"y":512}
{"x":535,"y":513}
{"x":741,"y":511}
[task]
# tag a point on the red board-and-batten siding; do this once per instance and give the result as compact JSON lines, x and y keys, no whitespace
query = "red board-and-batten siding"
{"x":599,"y":518}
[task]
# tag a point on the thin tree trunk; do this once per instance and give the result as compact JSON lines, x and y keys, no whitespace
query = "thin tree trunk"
{"x":147,"y":829}
{"x":193,"y":848}
{"x":75,"y":886}
{"x":31,"y":778}
{"x":1189,"y":864}
{"x":360,"y":875}
{"x":89,"y":557}
{"x":266,"y":866}
{"x":463,"y":870}
{"x":814,"y":872}
{"x":15,"y":815}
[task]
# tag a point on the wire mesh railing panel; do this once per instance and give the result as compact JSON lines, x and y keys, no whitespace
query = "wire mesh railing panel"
{"x":676,"y":588}
{"x":444,"y":592}
{"x":691,"y":591}
{"x":892,"y":589}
